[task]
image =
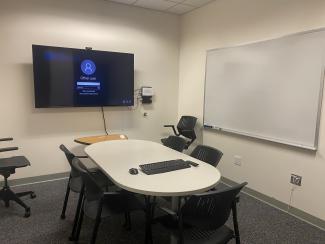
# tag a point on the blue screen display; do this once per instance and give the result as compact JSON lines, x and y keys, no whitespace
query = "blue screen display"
{"x":66,"y":77}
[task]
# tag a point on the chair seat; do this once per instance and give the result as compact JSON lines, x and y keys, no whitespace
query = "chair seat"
{"x":125,"y":202}
{"x":100,"y":178}
{"x":174,"y":142}
{"x":75,"y":184}
{"x":164,"y":141}
{"x":195,"y":236}
{"x":91,"y":208}
{"x":220,"y":236}
{"x":10,"y":164}
{"x":7,"y":167}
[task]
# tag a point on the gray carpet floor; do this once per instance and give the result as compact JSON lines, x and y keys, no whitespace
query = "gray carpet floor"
{"x":259,"y":223}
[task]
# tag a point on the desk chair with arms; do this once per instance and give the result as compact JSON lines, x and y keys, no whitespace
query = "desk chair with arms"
{"x":98,"y":204}
{"x":203,"y":216}
{"x":185,"y":127}
{"x":8,"y":166}
{"x":207,"y":154}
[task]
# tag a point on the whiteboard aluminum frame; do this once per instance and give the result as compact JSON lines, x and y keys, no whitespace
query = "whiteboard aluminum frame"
{"x":320,"y":97}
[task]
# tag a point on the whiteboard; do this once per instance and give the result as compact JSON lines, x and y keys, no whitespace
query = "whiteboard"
{"x":269,"y":90}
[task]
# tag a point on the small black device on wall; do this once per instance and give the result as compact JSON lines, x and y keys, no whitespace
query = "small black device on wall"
{"x":146,"y":94}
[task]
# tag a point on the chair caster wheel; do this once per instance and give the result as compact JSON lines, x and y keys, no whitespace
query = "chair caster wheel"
{"x":32,"y":195}
{"x":27,"y":213}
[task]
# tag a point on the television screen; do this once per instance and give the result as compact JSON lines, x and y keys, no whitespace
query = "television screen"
{"x":66,"y":77}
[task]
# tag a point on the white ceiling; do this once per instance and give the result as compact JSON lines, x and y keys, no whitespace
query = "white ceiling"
{"x":170,"y":6}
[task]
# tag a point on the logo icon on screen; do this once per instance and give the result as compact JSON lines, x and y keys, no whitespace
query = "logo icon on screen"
{"x":88,"y":67}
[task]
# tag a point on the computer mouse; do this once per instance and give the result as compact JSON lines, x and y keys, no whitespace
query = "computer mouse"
{"x":133,"y":171}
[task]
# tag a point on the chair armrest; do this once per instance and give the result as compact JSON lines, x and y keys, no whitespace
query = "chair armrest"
{"x":168,"y":211}
{"x":93,"y":170}
{"x":82,"y":156}
{"x":111,"y":193}
{"x":8,"y":149}
{"x":173,"y":127}
{"x":214,"y":190}
{"x":6,"y":139}
{"x":108,"y":195}
{"x":187,"y":130}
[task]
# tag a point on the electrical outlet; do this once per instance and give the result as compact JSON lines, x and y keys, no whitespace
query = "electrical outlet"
{"x":238,"y":160}
{"x":296,"y":179}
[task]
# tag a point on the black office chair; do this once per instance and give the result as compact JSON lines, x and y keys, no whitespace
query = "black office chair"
{"x":185,"y":127}
{"x":75,"y":182}
{"x":8,"y":166}
{"x":203,"y":216}
{"x":207,"y":154}
{"x":98,"y":204}
{"x":174,"y":142}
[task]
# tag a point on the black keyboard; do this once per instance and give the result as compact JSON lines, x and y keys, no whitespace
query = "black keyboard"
{"x":164,"y":166}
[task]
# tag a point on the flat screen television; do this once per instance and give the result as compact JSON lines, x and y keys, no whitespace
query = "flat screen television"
{"x":67,"y":77}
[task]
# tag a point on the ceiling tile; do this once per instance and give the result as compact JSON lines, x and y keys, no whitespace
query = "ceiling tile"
{"x":197,"y":3}
{"x":124,"y":1}
{"x":176,"y":1}
{"x":155,"y":4}
{"x":170,"y":6}
{"x":180,"y":9}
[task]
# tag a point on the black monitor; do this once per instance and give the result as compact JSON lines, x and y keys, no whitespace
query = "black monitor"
{"x":67,"y":77}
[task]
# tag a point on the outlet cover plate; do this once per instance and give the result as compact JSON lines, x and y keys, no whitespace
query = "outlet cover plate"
{"x":295,"y":179}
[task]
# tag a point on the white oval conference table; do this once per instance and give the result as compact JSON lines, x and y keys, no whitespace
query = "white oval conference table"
{"x":115,"y":158}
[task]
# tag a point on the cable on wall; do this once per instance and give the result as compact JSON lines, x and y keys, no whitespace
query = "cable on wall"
{"x":290,"y":199}
{"x":137,"y":99}
{"x":104,"y":120}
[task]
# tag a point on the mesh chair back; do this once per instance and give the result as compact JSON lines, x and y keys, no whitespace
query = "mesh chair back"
{"x":67,"y":153}
{"x":207,"y":154}
{"x":70,"y":156}
{"x":186,"y":126}
{"x":210,"y":210}
{"x":92,"y":191}
{"x":175,"y":142}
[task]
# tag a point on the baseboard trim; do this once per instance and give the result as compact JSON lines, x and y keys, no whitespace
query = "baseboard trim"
{"x":36,"y":179}
{"x":295,"y":212}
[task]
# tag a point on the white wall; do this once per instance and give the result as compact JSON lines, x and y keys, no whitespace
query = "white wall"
{"x":152,"y":36}
{"x":266,"y":166}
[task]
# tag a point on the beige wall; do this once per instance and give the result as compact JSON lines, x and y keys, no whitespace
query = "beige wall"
{"x":266,"y":166}
{"x":152,"y":36}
